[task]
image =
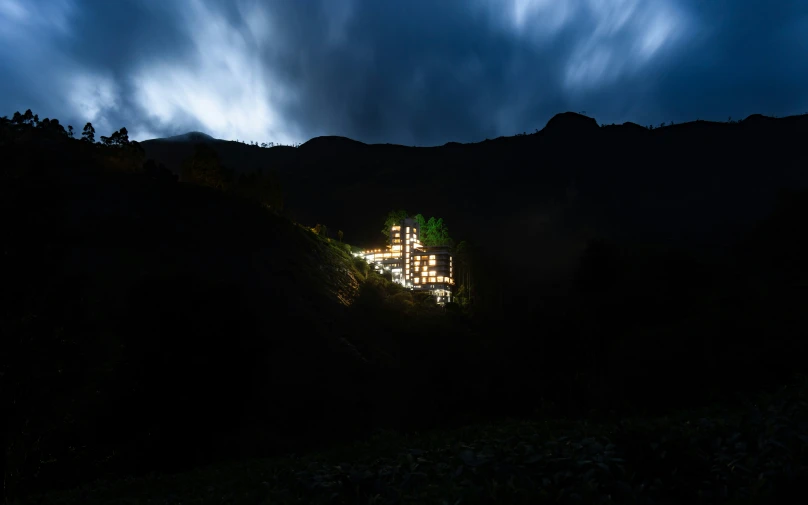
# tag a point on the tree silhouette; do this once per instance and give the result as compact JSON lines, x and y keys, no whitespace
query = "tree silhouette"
{"x":393,"y":217}
{"x":463,"y":263}
{"x":119,"y":138}
{"x":123,"y":136}
{"x":340,"y":235}
{"x":70,"y":131}
{"x":321,"y":229}
{"x":88,"y":134}
{"x":436,"y":233}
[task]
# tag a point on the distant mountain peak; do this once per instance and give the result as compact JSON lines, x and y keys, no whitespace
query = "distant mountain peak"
{"x":190,"y":137}
{"x":571,"y":122}
{"x":332,"y":141}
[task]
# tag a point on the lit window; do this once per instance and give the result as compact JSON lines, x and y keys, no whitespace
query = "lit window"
{"x":432,"y":256}
{"x":425,"y":269}
{"x":440,"y":279}
{"x":408,"y":229}
{"x":417,"y":280}
{"x":431,"y":279}
{"x":432,"y":272}
{"x":432,"y":263}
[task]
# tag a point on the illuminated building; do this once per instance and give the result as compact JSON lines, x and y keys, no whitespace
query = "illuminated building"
{"x":413,"y":265}
{"x":432,"y":271}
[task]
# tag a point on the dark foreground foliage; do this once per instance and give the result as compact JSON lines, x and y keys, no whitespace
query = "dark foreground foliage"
{"x":756,"y":453}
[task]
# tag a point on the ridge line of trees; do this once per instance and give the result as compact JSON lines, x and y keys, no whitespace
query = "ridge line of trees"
{"x":202,"y":168}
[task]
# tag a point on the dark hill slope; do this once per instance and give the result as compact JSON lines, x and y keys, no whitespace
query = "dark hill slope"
{"x":697,"y":185}
{"x":243,"y":158}
{"x":673,"y":183}
{"x":153,"y":326}
{"x":160,"y":325}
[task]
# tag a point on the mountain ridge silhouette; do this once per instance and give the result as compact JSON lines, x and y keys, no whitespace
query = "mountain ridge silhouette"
{"x":666,"y":181}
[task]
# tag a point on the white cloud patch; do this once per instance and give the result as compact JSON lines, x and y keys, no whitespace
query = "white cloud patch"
{"x":628,"y":34}
{"x":20,"y":18}
{"x":13,"y":11}
{"x":610,"y":38}
{"x":92,"y":95}
{"x":536,"y":20}
{"x":224,"y":85}
{"x":258,"y":21}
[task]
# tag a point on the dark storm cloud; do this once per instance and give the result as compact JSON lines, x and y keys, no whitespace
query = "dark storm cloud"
{"x":415,"y":72}
{"x":751,"y":59}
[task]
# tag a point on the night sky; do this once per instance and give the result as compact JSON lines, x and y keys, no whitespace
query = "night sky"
{"x":415,"y":72}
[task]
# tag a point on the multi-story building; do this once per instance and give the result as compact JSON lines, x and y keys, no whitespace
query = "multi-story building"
{"x":413,"y":265}
{"x":432,"y":270}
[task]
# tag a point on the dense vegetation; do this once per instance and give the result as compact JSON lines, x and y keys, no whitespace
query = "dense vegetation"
{"x":433,"y":232}
{"x":151,"y":325}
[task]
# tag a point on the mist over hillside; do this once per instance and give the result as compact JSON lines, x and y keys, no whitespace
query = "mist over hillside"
{"x":193,"y":137}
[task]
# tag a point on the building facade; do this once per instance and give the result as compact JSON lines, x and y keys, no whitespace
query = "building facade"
{"x":413,"y":265}
{"x":432,"y":271}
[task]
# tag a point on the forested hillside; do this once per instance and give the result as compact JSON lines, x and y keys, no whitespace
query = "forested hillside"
{"x":156,"y":323}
